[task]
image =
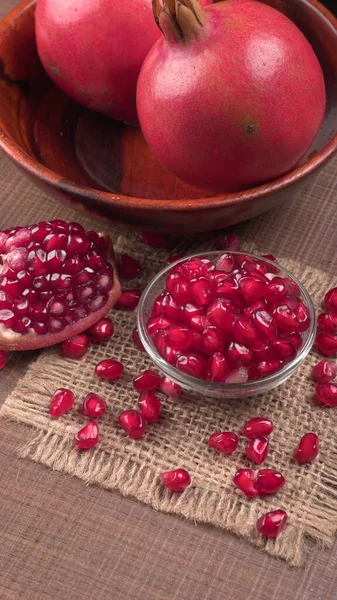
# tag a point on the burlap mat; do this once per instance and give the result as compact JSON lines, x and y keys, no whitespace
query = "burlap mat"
{"x":303,"y":236}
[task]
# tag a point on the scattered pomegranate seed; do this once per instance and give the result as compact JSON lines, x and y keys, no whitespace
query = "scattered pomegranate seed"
{"x":225,"y":442}
{"x":128,"y":267}
{"x":324,"y":372}
{"x":307,"y":449}
{"x":102,"y":331}
{"x":272,"y":523}
{"x":257,"y":449}
{"x":169,"y":388}
{"x":154,"y":240}
{"x":244,"y":480}
{"x":128,"y":300}
{"x":87,"y":437}
{"x":93,"y":406}
{"x":133,"y":423}
{"x":327,"y":322}
{"x":326,"y":342}
{"x":257,"y":427}
{"x":173,"y":259}
{"x":177,"y":480}
{"x":109,"y":369}
{"x":330,"y":301}
{"x":61,"y":402}
{"x":3,"y":359}
{"x":146,"y":381}
{"x":149,"y":406}
{"x":230,"y":241}
{"x":136,"y":340}
{"x":76,"y":347}
{"x":326,"y":393}
{"x":269,"y":482}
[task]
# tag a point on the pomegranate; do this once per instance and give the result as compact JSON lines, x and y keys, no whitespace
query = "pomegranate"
{"x":216,"y":114}
{"x":56,"y":280}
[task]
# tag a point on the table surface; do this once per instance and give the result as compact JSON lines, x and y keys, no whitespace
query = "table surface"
{"x":63,"y":540}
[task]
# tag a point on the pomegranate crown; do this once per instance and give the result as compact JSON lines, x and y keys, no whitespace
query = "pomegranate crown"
{"x":179,"y":20}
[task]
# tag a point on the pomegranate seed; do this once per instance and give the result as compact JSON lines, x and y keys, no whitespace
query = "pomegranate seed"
{"x":307,"y":449}
{"x":169,"y":388}
{"x":276,"y":289}
{"x":159,"y":340}
{"x":212,"y":341}
{"x":268,"y":367}
{"x":264,"y":352}
{"x":173,"y":259}
{"x":284,"y":350}
{"x":324,"y":372}
{"x":102,"y":331}
{"x":177,"y":480}
{"x":228,"y":290}
{"x":109,"y":369}
{"x":251,"y":289}
{"x":257,"y":305}
{"x":136,"y":340}
{"x":238,"y":376}
{"x":270,"y":257}
{"x":285,"y":319}
{"x":326,"y":342}
{"x":244,"y":480}
{"x":133,"y":423}
{"x":327,"y":393}
{"x":171,"y":308}
{"x":157,"y":308}
{"x":196,"y":343}
{"x":196,"y":267}
{"x":128,"y":267}
{"x":199,"y":323}
{"x":146,"y":381}
{"x":257,"y":427}
{"x":238,"y":355}
{"x":269,"y":482}
{"x":87,"y":437}
{"x":154,"y":240}
{"x":179,"y":288}
{"x":202,"y":291}
{"x":149,"y":406}
{"x":327,"y":322}
{"x":192,"y":364}
{"x":257,"y":449}
{"x":171,"y":355}
{"x":244,"y":332}
{"x":272,"y":523}
{"x":190,"y":310}
{"x":155,"y":323}
{"x":3,"y":359}
{"x":295,"y":339}
{"x":230,"y":241}
{"x":303,"y":316}
{"x":265,"y":325}
{"x":61,"y":402}
{"x":330,"y":301}
{"x":179,"y":337}
{"x":225,"y":442}
{"x":76,"y":347}
{"x":218,"y":369}
{"x":93,"y":406}
{"x":128,"y":300}
{"x":225,"y":263}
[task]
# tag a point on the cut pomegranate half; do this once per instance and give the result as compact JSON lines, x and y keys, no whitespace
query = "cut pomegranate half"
{"x":56,"y":281}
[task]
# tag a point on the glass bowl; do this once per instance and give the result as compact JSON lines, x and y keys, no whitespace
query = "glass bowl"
{"x":211,"y":388}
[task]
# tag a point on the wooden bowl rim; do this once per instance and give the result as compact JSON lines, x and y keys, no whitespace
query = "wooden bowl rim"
{"x":33,"y":167}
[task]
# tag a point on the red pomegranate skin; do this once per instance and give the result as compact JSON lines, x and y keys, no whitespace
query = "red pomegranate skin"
{"x":94,"y":49}
{"x":238,"y":104}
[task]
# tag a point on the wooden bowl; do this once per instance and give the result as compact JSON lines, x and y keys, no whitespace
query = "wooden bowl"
{"x":106,"y":168}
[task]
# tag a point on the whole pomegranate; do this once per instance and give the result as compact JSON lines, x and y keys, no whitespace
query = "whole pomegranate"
{"x":94,"y":49}
{"x":231,"y":96}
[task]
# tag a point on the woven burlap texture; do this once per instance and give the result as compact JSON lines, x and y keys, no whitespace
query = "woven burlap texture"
{"x":179,"y":438}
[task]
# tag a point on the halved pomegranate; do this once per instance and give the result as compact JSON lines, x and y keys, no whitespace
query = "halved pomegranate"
{"x":56,"y":280}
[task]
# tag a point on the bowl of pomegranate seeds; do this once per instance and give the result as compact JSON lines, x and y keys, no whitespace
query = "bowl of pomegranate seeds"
{"x":226,"y":324}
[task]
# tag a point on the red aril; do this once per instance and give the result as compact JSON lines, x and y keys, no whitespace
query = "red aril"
{"x":149,"y":406}
{"x":155,"y":323}
{"x":272,"y":523}
{"x":159,"y":340}
{"x":76,"y":347}
{"x":212,"y":341}
{"x":270,"y":257}
{"x":251,"y":289}
{"x":257,"y":427}
{"x":146,"y":381}
{"x":244,"y":480}
{"x":218,"y":369}
{"x":265,"y":325}
{"x":238,"y":355}
{"x":169,"y":388}
{"x":283,"y":349}
{"x":330,"y":301}
{"x":192,"y":364}
{"x":171,"y":355}
{"x":178,"y":337}
{"x":326,"y":393}
{"x":324,"y":371}
{"x":128,"y":300}
{"x":285,"y":319}
{"x":268,"y":367}
{"x":245,"y":333}
{"x":154,"y":240}
{"x":102,"y":331}
{"x":87,"y":437}
{"x":303,"y":316}
{"x":326,"y":342}
{"x":327,"y":322}
{"x":276,"y":290}
{"x":191,"y":310}
{"x":171,"y":309}
{"x":199,"y":323}
{"x":220,"y":314}
{"x":109,"y":369}
{"x":61,"y":402}
{"x":128,"y":267}
{"x":55,"y":295}
{"x":179,"y":288}
{"x":157,"y":308}
{"x":307,"y":449}
{"x":136,"y":340}
{"x":225,"y":442}
{"x":295,"y":339}
{"x":203,"y":291}
{"x":269,"y":482}
{"x":230,"y":241}
{"x":257,"y":305}
{"x":177,"y":480}
{"x":93,"y":406}
{"x":3,"y":359}
{"x":257,"y":449}
{"x":225,"y":263}
{"x":133,"y":423}
{"x":196,"y":343}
